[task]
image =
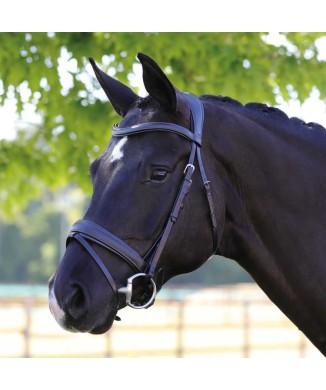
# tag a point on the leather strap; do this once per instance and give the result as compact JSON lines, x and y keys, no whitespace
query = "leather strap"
{"x":184,"y":189}
{"x":95,"y":233}
{"x":209,"y":197}
{"x":197,"y":114}
{"x":154,"y":127}
{"x":97,"y":260}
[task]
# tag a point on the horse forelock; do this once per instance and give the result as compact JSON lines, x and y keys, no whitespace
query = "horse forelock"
{"x":142,"y":102}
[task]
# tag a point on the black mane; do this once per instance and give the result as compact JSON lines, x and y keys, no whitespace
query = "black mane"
{"x":261,"y":108}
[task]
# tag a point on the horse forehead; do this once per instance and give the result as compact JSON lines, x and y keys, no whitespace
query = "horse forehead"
{"x":117,"y":151}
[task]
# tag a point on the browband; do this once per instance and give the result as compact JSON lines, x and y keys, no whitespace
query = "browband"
{"x":195,"y":136}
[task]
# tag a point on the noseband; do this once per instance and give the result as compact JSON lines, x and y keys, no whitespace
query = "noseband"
{"x":85,"y":231}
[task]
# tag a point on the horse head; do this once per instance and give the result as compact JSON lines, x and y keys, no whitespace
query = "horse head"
{"x":140,"y":177}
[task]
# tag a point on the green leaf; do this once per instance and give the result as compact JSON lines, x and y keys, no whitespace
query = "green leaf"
{"x":44,"y":156}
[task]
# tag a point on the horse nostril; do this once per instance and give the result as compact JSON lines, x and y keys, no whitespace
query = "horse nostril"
{"x":76,"y":303}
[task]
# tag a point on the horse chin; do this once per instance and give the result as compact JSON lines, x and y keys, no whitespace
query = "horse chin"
{"x":98,"y":328}
{"x":103,"y":328}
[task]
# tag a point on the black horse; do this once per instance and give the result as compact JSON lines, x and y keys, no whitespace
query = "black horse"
{"x":256,"y":188}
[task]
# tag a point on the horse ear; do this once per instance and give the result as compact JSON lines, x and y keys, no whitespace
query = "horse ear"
{"x":157,"y":84}
{"x":120,"y":96}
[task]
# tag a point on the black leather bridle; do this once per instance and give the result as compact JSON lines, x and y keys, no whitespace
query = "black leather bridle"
{"x":85,"y":231}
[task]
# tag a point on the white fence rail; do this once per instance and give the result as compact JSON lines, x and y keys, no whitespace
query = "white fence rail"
{"x":205,"y":326}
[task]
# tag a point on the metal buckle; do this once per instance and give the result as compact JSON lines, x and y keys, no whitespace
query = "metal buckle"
{"x":189,"y":166}
{"x":128,"y":292}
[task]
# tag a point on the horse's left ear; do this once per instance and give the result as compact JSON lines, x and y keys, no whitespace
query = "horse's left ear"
{"x":157,"y":84}
{"x":121,"y":97}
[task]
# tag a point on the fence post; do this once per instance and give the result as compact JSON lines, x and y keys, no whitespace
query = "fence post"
{"x":108,"y":344}
{"x":180,"y":329}
{"x":246,"y":329}
{"x":27,"y":330}
{"x":302,"y":345}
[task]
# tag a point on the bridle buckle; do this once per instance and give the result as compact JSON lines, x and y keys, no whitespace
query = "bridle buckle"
{"x":191,"y":166}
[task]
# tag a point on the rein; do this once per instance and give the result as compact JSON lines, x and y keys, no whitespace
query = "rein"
{"x":84,"y":230}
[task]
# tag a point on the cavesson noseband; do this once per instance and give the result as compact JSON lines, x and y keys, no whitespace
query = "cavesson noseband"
{"x":84,"y":230}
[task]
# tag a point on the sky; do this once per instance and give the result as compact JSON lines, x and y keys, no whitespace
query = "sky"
{"x":312,"y":110}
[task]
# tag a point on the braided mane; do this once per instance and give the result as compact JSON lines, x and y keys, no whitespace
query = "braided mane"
{"x":261,"y":109}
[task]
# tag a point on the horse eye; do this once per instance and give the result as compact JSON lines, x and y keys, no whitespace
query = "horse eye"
{"x":159,"y":175}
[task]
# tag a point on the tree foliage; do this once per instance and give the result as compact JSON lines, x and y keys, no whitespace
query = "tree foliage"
{"x":31,"y":246}
{"x":51,"y":72}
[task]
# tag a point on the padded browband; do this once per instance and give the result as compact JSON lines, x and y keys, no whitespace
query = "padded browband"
{"x":155,"y":127}
{"x":93,"y":232}
{"x":197,"y":115}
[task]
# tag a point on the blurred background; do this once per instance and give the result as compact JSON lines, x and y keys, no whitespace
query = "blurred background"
{"x":55,"y":120}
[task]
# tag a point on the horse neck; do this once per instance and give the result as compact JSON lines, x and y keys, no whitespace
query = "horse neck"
{"x":268,"y":188}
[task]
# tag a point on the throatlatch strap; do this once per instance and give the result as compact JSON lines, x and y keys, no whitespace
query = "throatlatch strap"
{"x":209,"y":197}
